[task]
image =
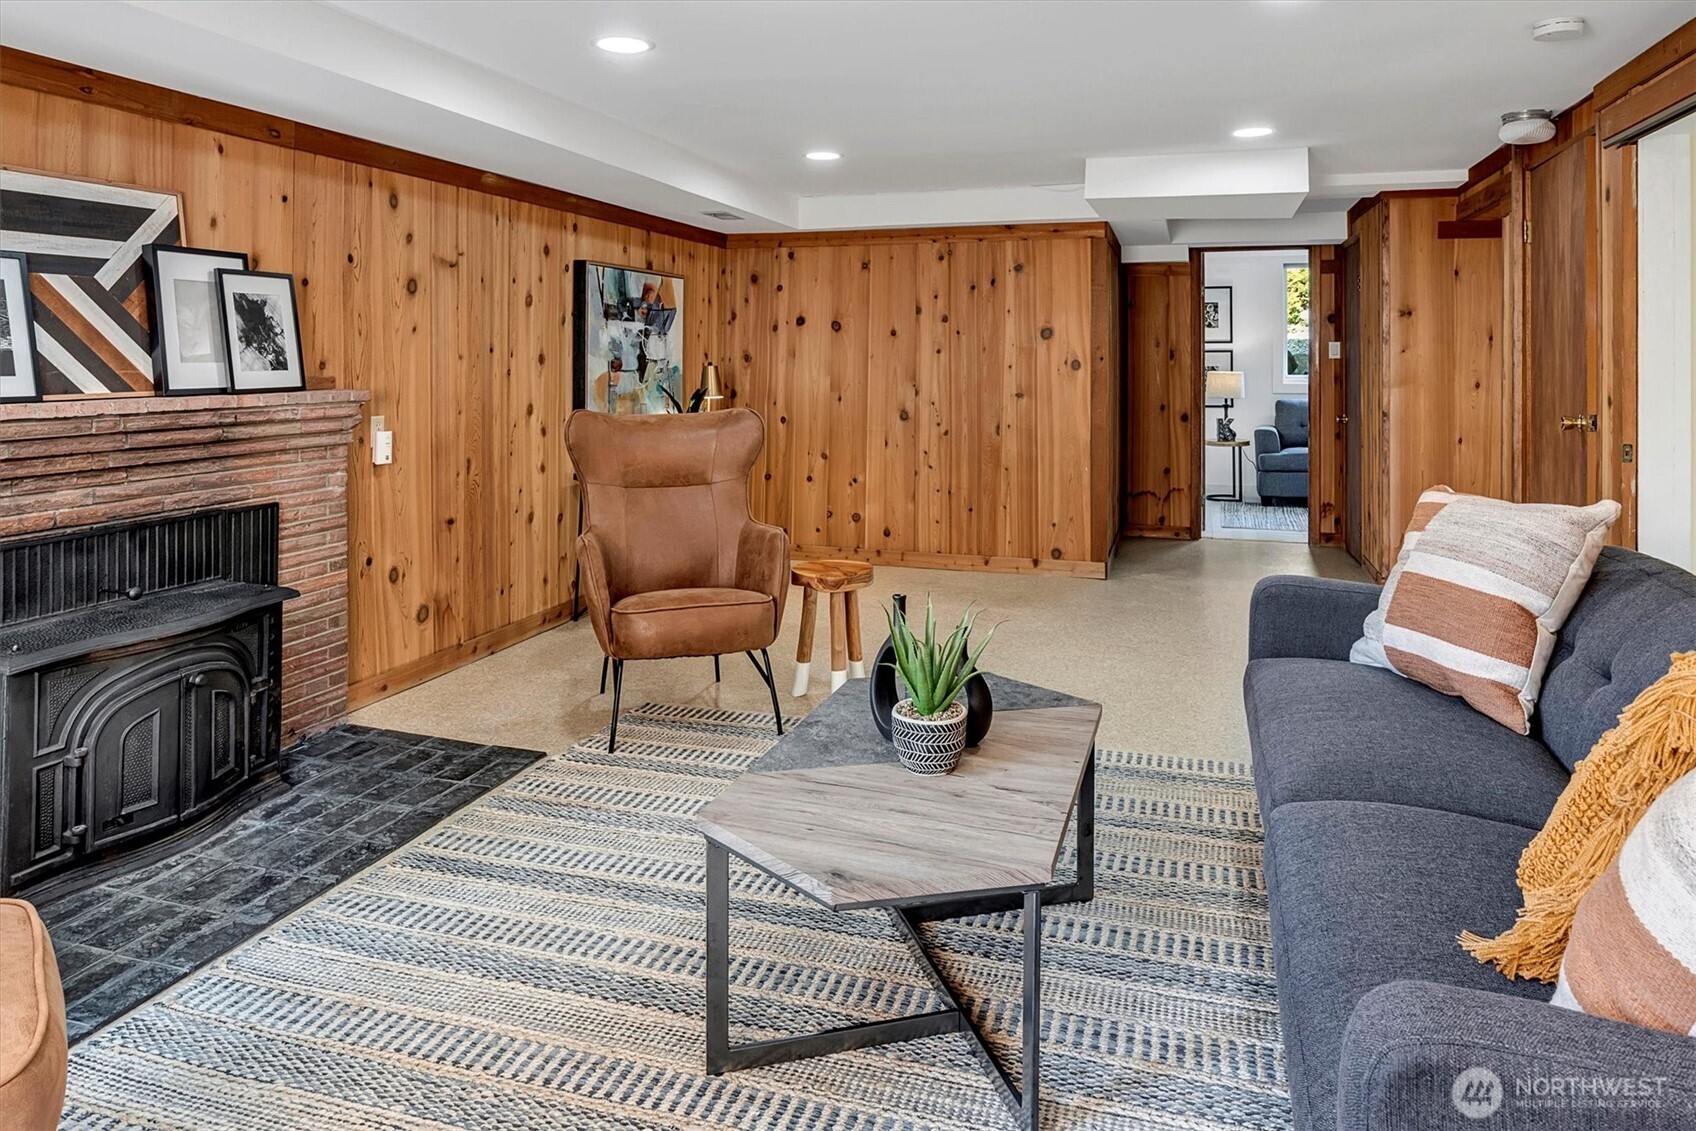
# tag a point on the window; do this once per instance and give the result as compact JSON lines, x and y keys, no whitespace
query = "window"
{"x":1298,"y":339}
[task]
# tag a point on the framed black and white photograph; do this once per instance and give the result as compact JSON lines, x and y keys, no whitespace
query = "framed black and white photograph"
{"x":261,"y":331}
{"x":1216,"y":314}
{"x":1217,"y":360}
{"x":19,"y":378}
{"x":188,"y":325}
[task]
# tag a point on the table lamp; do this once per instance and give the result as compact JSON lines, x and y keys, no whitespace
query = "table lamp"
{"x":1226,"y":385}
{"x":708,"y":394}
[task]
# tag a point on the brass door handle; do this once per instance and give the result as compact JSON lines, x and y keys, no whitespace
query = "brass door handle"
{"x":1579,"y":423}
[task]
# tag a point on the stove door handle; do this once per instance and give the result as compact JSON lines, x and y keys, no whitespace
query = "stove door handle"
{"x":72,"y":769}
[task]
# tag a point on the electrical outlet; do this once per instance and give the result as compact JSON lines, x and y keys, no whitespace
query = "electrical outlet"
{"x":1627,"y":453}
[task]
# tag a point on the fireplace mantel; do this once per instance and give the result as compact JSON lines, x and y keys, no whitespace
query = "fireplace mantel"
{"x":81,"y":461}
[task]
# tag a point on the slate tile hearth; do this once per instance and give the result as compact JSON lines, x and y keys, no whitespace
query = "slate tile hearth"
{"x":356,"y":794}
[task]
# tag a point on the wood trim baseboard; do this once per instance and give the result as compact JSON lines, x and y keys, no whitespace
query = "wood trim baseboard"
{"x":364,"y":692}
{"x":84,"y":84}
{"x":1079,"y":229}
{"x":981,"y":563}
{"x":1176,"y":533}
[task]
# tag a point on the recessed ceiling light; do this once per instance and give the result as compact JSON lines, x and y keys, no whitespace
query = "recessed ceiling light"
{"x":1253,"y":131}
{"x":623,"y":44}
{"x":824,"y":155}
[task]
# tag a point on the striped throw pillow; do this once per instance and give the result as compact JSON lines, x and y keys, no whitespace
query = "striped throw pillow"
{"x":1632,"y":954}
{"x":1480,"y":590}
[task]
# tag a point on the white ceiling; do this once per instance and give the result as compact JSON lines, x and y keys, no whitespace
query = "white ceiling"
{"x":961,"y":112}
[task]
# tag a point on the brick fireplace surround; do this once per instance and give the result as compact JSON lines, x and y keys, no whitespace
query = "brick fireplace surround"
{"x":77,"y":462}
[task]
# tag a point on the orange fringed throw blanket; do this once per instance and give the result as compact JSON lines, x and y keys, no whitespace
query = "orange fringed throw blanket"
{"x":1653,"y":746}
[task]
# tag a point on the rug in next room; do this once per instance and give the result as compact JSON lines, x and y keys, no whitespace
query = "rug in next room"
{"x":535,"y":961}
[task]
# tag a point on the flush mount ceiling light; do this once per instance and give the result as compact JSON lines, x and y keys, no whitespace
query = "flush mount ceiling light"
{"x":1527,"y":127}
{"x":1558,"y":29}
{"x":1253,"y":131}
{"x":623,"y":44}
{"x":824,"y":155}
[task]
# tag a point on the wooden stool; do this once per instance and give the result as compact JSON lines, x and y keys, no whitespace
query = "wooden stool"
{"x":843,"y":581}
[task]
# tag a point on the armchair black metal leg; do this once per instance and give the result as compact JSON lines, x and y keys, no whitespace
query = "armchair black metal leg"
{"x":617,"y":691}
{"x":605,"y":660}
{"x":771,"y":684}
{"x":716,"y":676}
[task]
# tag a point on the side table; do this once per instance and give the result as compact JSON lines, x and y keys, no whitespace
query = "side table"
{"x":842,"y":580}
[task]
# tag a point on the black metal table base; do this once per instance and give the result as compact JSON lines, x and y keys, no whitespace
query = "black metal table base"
{"x":1019,"y":1095}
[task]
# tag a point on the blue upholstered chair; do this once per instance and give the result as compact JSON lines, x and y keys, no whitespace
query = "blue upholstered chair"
{"x":1280,"y":453}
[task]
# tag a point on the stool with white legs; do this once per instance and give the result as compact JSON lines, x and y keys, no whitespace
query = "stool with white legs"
{"x":842,"y":581}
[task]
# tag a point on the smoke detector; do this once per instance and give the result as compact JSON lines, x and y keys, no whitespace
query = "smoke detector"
{"x":1527,"y":127}
{"x":1558,"y":29}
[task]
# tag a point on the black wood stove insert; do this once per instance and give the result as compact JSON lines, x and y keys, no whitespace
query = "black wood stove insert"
{"x":139,"y":669}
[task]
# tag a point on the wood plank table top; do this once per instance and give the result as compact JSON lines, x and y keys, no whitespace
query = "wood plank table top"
{"x":831,"y":811}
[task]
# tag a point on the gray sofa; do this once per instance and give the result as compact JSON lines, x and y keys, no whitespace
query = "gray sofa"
{"x":1394,"y":819}
{"x":1280,"y":453}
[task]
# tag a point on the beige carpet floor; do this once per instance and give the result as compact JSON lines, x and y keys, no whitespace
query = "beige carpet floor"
{"x":1161,"y":644}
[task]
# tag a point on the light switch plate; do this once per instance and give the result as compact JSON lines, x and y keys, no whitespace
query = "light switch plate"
{"x":1334,"y":350}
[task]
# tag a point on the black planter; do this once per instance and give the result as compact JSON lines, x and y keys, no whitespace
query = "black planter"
{"x":886,"y":692}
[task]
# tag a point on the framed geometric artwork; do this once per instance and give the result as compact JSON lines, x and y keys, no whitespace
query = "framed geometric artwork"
{"x":628,"y":338}
{"x":261,"y":331}
{"x":84,"y":240}
{"x":1216,"y":314}
{"x":1212,"y":360}
{"x":19,"y":380}
{"x":187,"y":317}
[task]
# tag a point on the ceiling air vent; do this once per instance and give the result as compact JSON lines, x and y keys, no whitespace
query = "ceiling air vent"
{"x":722,"y":215}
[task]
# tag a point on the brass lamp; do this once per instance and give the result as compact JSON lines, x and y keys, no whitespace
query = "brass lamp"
{"x":708,"y":395}
{"x":1227,"y":386}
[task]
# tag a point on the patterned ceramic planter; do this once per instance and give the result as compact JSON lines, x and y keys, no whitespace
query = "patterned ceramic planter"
{"x":929,"y":746}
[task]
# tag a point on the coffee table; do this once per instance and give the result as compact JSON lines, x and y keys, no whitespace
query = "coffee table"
{"x":830,"y":811}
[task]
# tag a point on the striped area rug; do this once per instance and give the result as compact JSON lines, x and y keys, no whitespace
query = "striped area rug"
{"x":535,"y":961}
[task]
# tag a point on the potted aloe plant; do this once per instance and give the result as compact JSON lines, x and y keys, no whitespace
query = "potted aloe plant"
{"x":929,"y":726}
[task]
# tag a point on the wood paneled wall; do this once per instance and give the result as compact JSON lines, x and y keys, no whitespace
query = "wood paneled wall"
{"x":1434,"y":379}
{"x":944,"y":399}
{"x":452,"y":306}
{"x":1163,"y":450}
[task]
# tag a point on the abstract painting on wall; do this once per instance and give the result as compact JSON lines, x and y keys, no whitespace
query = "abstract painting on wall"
{"x":84,"y":240}
{"x":628,"y":355}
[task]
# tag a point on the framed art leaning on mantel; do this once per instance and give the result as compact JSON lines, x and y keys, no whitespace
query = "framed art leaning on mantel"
{"x":85,"y":241}
{"x":188,"y":323}
{"x":19,"y":379}
{"x":262,"y":331}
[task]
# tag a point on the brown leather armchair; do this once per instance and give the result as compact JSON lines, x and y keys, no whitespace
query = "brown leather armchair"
{"x":672,"y":562}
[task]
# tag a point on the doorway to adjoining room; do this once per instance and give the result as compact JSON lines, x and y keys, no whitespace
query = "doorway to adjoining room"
{"x":1256,"y":350}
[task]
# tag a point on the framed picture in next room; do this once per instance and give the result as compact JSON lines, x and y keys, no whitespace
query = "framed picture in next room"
{"x":628,"y":341}
{"x":261,"y":331}
{"x":1216,"y":314}
{"x":19,"y":380}
{"x":1212,"y":360}
{"x":187,"y":322}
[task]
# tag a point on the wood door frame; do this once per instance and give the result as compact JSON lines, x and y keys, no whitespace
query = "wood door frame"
{"x":1198,"y":274}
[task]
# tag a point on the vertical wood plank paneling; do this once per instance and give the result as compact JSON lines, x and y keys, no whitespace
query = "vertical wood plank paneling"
{"x":1617,"y":403}
{"x":892,"y":412}
{"x":1163,"y":437}
{"x":1327,"y":463}
{"x":932,"y":400}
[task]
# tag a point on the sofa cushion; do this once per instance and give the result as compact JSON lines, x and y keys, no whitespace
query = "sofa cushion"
{"x":1636,"y":612}
{"x":1288,"y":459}
{"x":1327,"y":730}
{"x":1364,"y":894}
{"x":1289,"y":417}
